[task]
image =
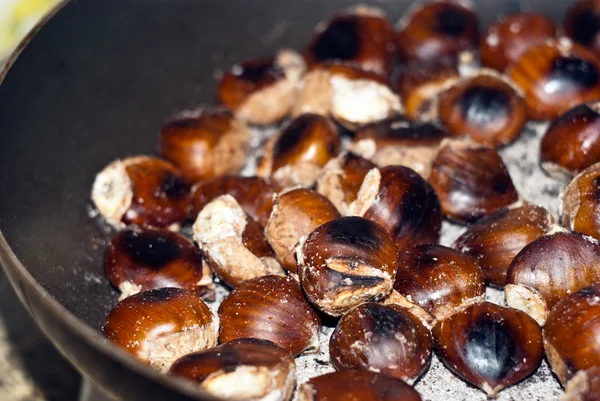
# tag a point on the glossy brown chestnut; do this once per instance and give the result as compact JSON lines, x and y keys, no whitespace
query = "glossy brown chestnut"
{"x":584,"y":386}
{"x":582,"y":24}
{"x":356,"y":385}
{"x":397,"y":198}
{"x":509,"y":37}
{"x":254,"y":195}
{"x":297,"y":154}
{"x":245,"y":369}
{"x":263,"y":91}
{"x":485,"y":107}
{"x":270,"y":308}
{"x":434,"y":30}
{"x":205,"y":143}
{"x":556,"y":76}
{"x":384,"y":339}
{"x":550,"y":268}
{"x":361,"y":36}
{"x":159,"y":326}
{"x":439,"y":279}
{"x":581,"y":203}
{"x":471,"y":181}
{"x":140,"y":260}
{"x":346,"y":262}
{"x":572,"y":142}
{"x":295,"y":214}
{"x":572,"y":333}
{"x":141,"y":190}
{"x":489,"y":346}
{"x":494,"y":242}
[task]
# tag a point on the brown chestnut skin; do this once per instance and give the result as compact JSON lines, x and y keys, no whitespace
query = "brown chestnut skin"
{"x":556,"y":76}
{"x":161,"y":325}
{"x":582,"y":24}
{"x":346,"y":262}
{"x":295,"y":214}
{"x":489,"y":346}
{"x":485,"y":107}
{"x":354,"y":385}
{"x":247,"y":368}
{"x":581,"y":203}
{"x":550,"y":268}
{"x":271,"y":308}
{"x":140,"y":260}
{"x":254,"y":194}
{"x":471,"y":181}
{"x":493,"y":242}
{"x":385,"y":339}
{"x":509,"y":37}
{"x":205,"y":143}
{"x":572,"y":142}
{"x":572,"y":333}
{"x":361,"y":36}
{"x":584,"y":386}
{"x":435,"y":30}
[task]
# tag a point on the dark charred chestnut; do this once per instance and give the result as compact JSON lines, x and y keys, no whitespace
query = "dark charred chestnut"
{"x":270,"y":308}
{"x":263,"y":91}
{"x":205,"y":143}
{"x":511,"y":36}
{"x":346,"y":262}
{"x":582,"y":24}
{"x":471,"y":181}
{"x":494,"y":242}
{"x":141,"y":190}
{"x":489,"y":346}
{"x":581,"y":203}
{"x":159,"y":326}
{"x":584,"y":386}
{"x":244,"y":369}
{"x":556,"y":76}
{"x":384,"y":339}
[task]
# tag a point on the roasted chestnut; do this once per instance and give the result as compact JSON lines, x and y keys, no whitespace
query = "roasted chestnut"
{"x":141,"y":190}
{"x":556,"y":76}
{"x":383,"y":339}
{"x":263,"y":91}
{"x":493,"y":242}
{"x":205,"y":143}
{"x":489,"y":346}
{"x":582,"y":24}
{"x":159,"y":326}
{"x":584,"y":386}
{"x":346,"y":262}
{"x":270,"y":308}
{"x":550,"y":268}
{"x":471,"y":181}
{"x":581,"y":204}
{"x":245,"y":369}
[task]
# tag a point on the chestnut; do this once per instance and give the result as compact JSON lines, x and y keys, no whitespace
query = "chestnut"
{"x":572,"y":142}
{"x":383,"y":339}
{"x":270,"y":308}
{"x":346,"y":262}
{"x":434,"y":30}
{"x":297,"y":154}
{"x":556,"y":76}
{"x":361,"y":36}
{"x":205,"y":143}
{"x":397,"y":198}
{"x":550,"y":268}
{"x":141,"y":190}
{"x":493,"y":242}
{"x":140,"y":260}
{"x":295,"y":214}
{"x":489,"y":346}
{"x":509,"y":37}
{"x":161,"y":325}
{"x":485,"y":107}
{"x":471,"y":181}
{"x":572,"y":333}
{"x":254,"y":195}
{"x":244,"y":369}
{"x":263,"y":91}
{"x":356,"y":385}
{"x":582,"y":24}
{"x":584,"y":386}
{"x":580,"y":202}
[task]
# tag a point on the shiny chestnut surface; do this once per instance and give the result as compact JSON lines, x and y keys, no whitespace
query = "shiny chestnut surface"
{"x":399,"y":131}
{"x":581,"y":202}
{"x":582,"y":24}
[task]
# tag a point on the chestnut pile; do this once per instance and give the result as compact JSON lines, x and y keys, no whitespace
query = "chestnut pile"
{"x":382,"y":132}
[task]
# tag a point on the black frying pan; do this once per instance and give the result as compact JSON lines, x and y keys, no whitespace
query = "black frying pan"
{"x":94,"y":84}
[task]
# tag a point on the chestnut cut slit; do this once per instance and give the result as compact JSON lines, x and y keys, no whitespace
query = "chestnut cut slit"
{"x":258,"y":71}
{"x":151,"y":249}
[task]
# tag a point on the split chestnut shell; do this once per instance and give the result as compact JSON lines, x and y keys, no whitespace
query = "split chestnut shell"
{"x":581,"y":202}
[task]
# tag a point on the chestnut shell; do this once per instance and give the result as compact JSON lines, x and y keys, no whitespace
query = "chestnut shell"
{"x":581,"y":203}
{"x":582,"y":24}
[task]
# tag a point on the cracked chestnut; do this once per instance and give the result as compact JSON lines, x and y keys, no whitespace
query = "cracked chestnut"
{"x":584,"y":386}
{"x":581,"y":203}
{"x":582,"y":24}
